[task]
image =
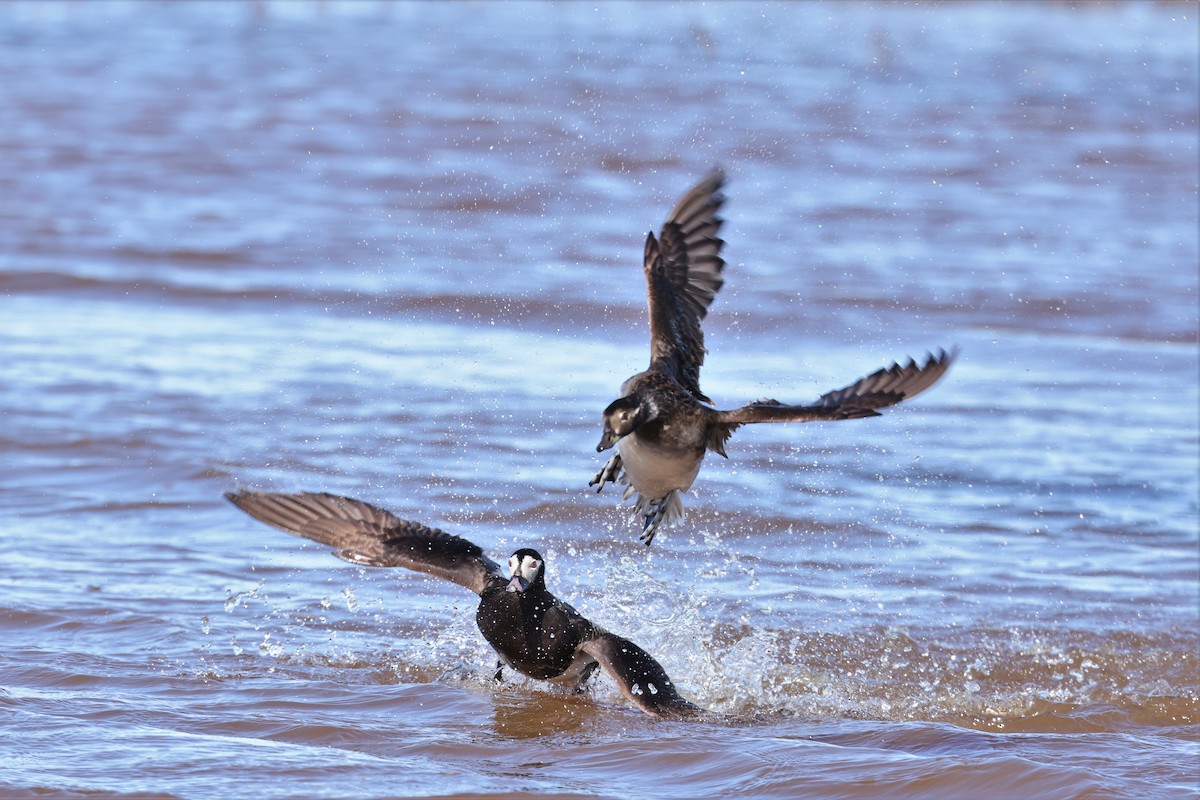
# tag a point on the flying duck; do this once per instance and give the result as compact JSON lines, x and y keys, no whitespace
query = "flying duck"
{"x":662,"y":424}
{"x":531,"y":630}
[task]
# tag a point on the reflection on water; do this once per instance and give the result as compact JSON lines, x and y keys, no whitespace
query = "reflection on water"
{"x":536,"y":715}
{"x":392,"y":251}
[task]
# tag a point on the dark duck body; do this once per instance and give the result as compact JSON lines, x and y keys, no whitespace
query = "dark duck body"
{"x":530,"y":629}
{"x":662,"y":425}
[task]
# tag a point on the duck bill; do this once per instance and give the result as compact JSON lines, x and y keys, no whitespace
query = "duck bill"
{"x":517,"y":584}
{"x":606,"y":441}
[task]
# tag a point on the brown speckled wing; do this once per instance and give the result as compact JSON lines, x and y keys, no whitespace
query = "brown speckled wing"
{"x":370,"y":536}
{"x":640,"y":678}
{"x":683,"y":274}
{"x":880,"y":389}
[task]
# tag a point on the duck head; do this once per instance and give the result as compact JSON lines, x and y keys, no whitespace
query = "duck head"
{"x":623,"y":417}
{"x":528,"y":569}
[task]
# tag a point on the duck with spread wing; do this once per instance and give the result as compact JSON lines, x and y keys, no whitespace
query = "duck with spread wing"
{"x":662,"y":425}
{"x":531,"y":630}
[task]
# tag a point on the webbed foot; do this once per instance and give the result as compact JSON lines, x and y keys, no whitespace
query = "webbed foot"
{"x":655,"y":513}
{"x":581,"y":687}
{"x":608,"y":473}
{"x":651,"y":520}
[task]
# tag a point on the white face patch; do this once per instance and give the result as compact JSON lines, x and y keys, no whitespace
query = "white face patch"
{"x":527,"y":567}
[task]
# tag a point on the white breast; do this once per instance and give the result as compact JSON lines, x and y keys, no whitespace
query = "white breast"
{"x":654,"y":471}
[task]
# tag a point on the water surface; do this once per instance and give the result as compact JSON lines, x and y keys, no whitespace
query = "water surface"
{"x":393,"y":251}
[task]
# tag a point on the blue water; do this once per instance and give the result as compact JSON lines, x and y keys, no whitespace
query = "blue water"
{"x":393,"y":251}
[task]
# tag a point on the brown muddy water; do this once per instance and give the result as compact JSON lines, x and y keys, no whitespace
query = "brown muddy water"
{"x":394,"y":251}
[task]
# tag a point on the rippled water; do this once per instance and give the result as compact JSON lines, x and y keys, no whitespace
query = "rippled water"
{"x":393,"y":251}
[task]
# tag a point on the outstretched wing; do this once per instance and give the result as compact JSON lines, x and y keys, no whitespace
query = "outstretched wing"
{"x":880,"y":389}
{"x":683,"y":274}
{"x":641,"y":679}
{"x":370,"y":536}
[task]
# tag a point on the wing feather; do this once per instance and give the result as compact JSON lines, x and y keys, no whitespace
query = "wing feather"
{"x":640,"y":678}
{"x":370,"y":536}
{"x":683,"y":269}
{"x":882,"y":388}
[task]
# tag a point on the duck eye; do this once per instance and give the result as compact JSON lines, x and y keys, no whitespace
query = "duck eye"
{"x":534,"y":563}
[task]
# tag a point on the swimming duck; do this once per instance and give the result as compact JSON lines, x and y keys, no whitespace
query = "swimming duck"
{"x":662,"y":424}
{"x":531,"y":630}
